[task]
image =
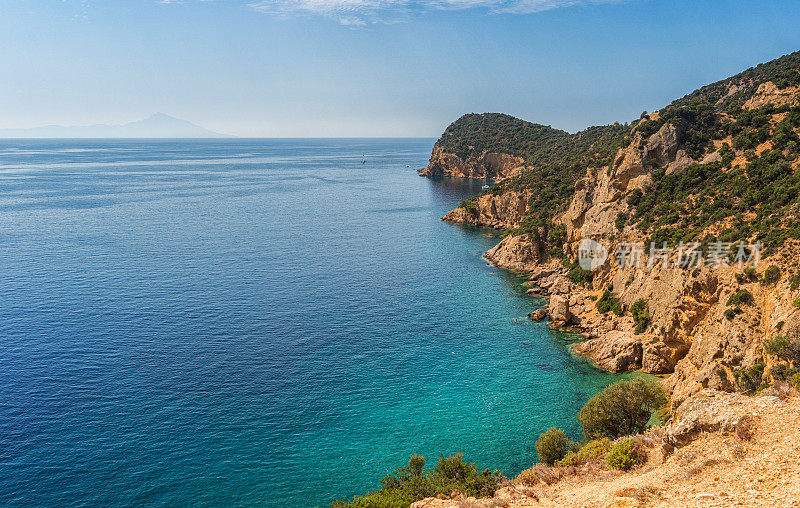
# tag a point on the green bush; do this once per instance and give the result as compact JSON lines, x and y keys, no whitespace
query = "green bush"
{"x":784,"y":347}
{"x":620,"y":221}
{"x":412,"y":483}
{"x":771,"y":275}
{"x":783,"y":372}
{"x":794,"y":282}
{"x":469,"y":206}
{"x":580,"y":276}
{"x":741,"y":296}
{"x":623,"y":455}
{"x":551,"y":446}
{"x":592,"y":450}
{"x":609,"y":302}
{"x":622,"y":409}
{"x":731,"y":313}
{"x":796,"y":381}
{"x":749,"y":380}
{"x":641,"y":315}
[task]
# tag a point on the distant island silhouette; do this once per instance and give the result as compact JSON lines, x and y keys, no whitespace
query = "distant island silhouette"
{"x":159,"y":125}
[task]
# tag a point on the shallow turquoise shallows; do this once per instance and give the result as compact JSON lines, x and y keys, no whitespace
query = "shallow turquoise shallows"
{"x":251,"y":322}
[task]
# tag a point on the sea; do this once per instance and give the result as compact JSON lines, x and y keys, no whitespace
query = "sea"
{"x":250,"y":322}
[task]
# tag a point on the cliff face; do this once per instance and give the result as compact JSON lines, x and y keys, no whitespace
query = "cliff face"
{"x":500,"y":211}
{"x":690,"y":338}
{"x":487,"y":165}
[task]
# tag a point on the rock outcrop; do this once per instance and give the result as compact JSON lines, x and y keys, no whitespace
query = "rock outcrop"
{"x":710,"y":411}
{"x":768,"y":93}
{"x":519,"y":253}
{"x":616,"y":351}
{"x":500,"y":211}
{"x":488,"y":165}
{"x":688,"y":338}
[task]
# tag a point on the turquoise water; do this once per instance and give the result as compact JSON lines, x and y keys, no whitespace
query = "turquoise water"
{"x":255,"y":322}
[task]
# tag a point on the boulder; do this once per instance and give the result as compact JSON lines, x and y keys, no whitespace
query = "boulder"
{"x":705,"y":411}
{"x":616,"y":351}
{"x":558,"y":308}
{"x":657,"y":358}
{"x":538,"y":315}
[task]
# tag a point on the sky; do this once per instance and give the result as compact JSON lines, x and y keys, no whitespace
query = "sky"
{"x":363,"y":68}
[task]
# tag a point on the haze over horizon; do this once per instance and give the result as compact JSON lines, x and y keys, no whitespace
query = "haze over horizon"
{"x":375,"y":68}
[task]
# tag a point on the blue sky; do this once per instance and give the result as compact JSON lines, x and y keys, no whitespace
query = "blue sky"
{"x":371,"y":67}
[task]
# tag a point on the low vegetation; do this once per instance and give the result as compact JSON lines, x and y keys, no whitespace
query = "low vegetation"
{"x":622,"y":409}
{"x":413,"y":482}
{"x":589,"y":452}
{"x":609,"y":302}
{"x":641,"y":315}
{"x":552,"y":446}
{"x":623,"y":455}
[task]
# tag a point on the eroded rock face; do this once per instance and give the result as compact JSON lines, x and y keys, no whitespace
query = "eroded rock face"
{"x":519,"y":253}
{"x":689,"y":337}
{"x":617,"y":351}
{"x":768,"y":93}
{"x":558,"y":308}
{"x":709,"y":411}
{"x":538,"y":315}
{"x":492,"y":165}
{"x":494,"y":211}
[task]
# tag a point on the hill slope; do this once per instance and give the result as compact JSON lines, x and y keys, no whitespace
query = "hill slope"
{"x":717,"y":167}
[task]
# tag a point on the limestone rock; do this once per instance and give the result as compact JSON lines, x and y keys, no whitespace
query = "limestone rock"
{"x":706,"y":411}
{"x":538,"y":315}
{"x":616,"y":351}
{"x":558,"y":308}
{"x":519,"y":253}
{"x":488,"y":164}
{"x":494,"y":211}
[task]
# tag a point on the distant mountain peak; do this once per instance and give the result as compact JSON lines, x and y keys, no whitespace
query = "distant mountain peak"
{"x":157,"y":125}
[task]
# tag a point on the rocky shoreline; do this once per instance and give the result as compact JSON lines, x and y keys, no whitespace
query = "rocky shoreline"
{"x":693,"y":336}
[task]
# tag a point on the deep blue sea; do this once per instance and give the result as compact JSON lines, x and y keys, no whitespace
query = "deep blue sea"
{"x":255,"y":322}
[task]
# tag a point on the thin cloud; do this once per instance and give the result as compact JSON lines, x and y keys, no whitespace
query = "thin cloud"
{"x":359,"y":13}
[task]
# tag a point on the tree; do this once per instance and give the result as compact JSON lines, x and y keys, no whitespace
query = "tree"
{"x":622,"y":409}
{"x":551,"y":446}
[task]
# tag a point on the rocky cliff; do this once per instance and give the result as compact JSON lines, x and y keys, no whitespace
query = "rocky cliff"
{"x":693,"y":333}
{"x":496,"y":166}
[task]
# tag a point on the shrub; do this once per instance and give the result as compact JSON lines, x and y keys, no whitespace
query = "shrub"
{"x":794,"y":282}
{"x":609,"y":302}
{"x":412,"y":483}
{"x":580,"y":276}
{"x":620,"y":221}
{"x":551,"y":446}
{"x":749,"y":380}
{"x":622,"y":409}
{"x":641,"y":315}
{"x":592,"y":450}
{"x":771,"y":275}
{"x":785,"y":347}
{"x":782,"y":372}
{"x":796,"y":381}
{"x":750,"y":274}
{"x":741,"y":296}
{"x":731,"y":313}
{"x":469,"y":206}
{"x":623,"y":455}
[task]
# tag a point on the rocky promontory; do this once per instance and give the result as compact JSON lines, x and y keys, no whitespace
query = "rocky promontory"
{"x":485,"y":165}
{"x":699,"y":326}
